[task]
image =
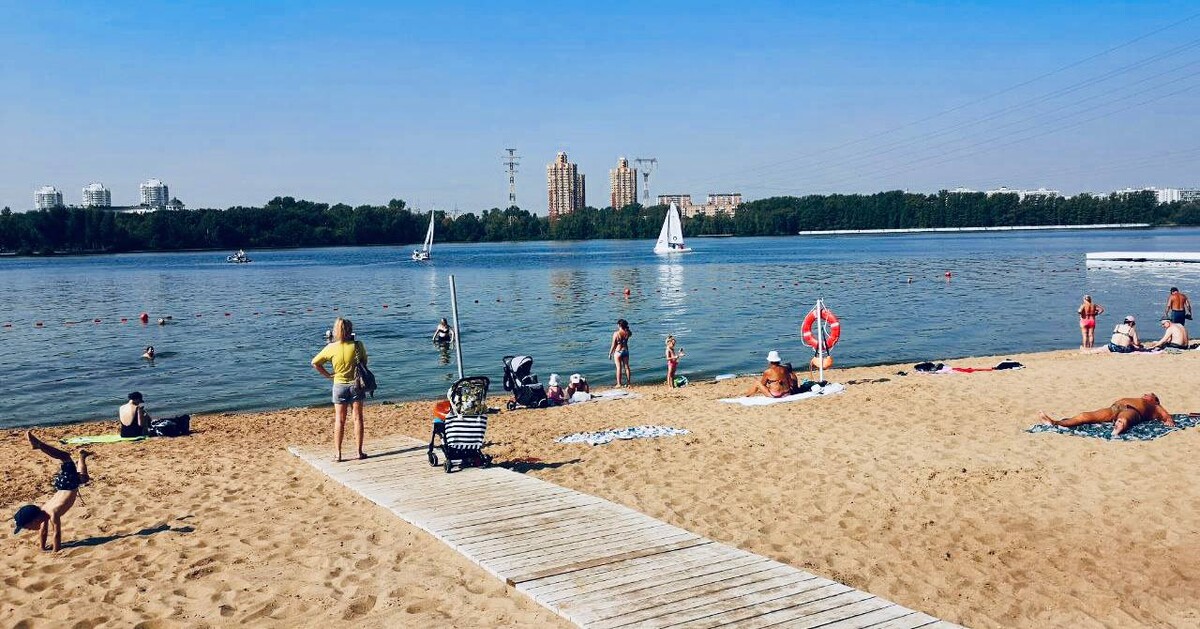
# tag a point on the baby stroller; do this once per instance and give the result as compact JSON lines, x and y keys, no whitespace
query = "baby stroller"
{"x":461,"y":422}
{"x":520,"y":379}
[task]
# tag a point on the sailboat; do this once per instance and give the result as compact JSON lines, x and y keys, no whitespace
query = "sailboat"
{"x":426,"y":250}
{"x":670,"y":239}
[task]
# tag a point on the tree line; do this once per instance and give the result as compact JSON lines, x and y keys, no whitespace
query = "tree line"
{"x":288,"y":222}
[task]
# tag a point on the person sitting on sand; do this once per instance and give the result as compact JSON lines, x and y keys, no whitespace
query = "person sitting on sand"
{"x":1175,"y":336}
{"x":133,"y":418}
{"x":66,"y":484}
{"x":443,"y":335}
{"x":149,"y":353}
{"x":776,"y":381}
{"x":1125,"y":412}
{"x":1125,"y":338}
{"x":554,"y":391}
{"x":578,"y":389}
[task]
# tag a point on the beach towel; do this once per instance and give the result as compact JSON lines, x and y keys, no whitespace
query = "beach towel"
{"x":633,"y":432}
{"x":605,"y":396}
{"x":1142,"y":431}
{"x":94,"y":439}
{"x":832,"y":389}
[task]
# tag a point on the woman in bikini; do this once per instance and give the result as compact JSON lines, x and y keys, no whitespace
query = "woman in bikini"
{"x":1125,"y":337}
{"x":777,"y":381}
{"x":618,"y":351}
{"x":1088,"y":311}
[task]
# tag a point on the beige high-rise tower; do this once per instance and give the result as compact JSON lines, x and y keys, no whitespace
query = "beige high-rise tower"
{"x":622,"y":183}
{"x":565,"y":188}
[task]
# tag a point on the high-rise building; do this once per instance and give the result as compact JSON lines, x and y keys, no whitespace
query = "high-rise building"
{"x":47,"y":197}
{"x":682,"y":200}
{"x":154,"y":195}
{"x":565,"y":187}
{"x":96,"y":195}
{"x":622,"y":183}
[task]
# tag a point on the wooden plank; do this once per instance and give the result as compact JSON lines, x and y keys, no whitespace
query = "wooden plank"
{"x":634,"y":554}
{"x":688,"y":574}
{"x":769,"y":613}
{"x":459,"y":521}
{"x":629,"y":571}
{"x":536,"y":540}
{"x":711,"y":602}
{"x":915,"y":620}
{"x":821,"y":619}
{"x":585,"y":553}
{"x":553,"y":523}
{"x":871,"y":619}
{"x":585,"y":527}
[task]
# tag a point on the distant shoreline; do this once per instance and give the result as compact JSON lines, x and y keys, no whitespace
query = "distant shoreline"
{"x":960,"y":230}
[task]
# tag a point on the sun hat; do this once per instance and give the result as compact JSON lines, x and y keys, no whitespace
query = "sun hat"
{"x":25,"y":516}
{"x":773,"y":357}
{"x":554,"y":380}
{"x":1130,"y":319}
{"x":576,"y":378}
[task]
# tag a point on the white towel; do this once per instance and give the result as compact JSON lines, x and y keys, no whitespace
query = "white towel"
{"x":633,"y":432}
{"x":832,"y":388}
{"x":604,"y":396}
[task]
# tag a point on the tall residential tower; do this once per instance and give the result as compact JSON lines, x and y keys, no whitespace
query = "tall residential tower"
{"x":154,"y":195}
{"x":47,"y":198}
{"x":96,"y":195}
{"x":622,"y":183}
{"x":565,"y":187}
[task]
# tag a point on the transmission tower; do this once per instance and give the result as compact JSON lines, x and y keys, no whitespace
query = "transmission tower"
{"x":510,"y":161}
{"x":647,"y":166}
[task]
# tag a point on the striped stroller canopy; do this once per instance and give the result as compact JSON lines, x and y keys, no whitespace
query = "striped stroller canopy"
{"x":465,"y":433}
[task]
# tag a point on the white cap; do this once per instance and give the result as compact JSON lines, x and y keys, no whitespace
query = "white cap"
{"x":576,"y":378}
{"x":554,"y":380}
{"x":773,"y":357}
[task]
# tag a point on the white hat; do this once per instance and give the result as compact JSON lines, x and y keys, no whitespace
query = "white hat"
{"x":576,"y":378}
{"x":773,"y":357}
{"x":1130,"y":319}
{"x":554,"y":380}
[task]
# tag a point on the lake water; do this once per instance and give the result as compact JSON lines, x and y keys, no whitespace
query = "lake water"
{"x":241,"y":336}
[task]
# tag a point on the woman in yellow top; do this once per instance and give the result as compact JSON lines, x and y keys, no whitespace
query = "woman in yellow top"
{"x":342,"y":353}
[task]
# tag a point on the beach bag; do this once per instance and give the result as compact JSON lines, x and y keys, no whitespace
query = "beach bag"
{"x":928,"y":367}
{"x":364,"y":379}
{"x":171,"y":427}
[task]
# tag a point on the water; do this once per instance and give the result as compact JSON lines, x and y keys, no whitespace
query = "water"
{"x":728,"y":304}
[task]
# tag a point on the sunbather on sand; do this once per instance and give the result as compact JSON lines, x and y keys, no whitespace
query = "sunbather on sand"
{"x":1174,"y":336}
{"x":66,"y":482}
{"x":776,"y":381}
{"x":1124,"y":413}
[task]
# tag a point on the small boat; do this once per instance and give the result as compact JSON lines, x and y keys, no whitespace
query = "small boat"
{"x":238,"y":258}
{"x":426,"y":250}
{"x":670,"y":239}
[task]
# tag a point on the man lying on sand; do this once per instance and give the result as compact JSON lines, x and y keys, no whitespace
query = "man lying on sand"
{"x":66,"y":482}
{"x":1125,"y":412}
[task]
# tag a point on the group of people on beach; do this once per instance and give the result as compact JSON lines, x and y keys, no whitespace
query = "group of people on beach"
{"x":1125,"y":340}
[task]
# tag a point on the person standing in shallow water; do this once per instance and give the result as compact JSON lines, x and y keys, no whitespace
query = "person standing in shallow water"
{"x":618,"y":351}
{"x":343,"y":352}
{"x":1088,"y":311}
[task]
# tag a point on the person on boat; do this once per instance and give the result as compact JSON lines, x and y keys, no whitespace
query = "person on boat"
{"x":443,"y":335}
{"x":343,"y":353}
{"x":1125,"y":337}
{"x":132,"y":417}
{"x":1175,"y":336}
{"x":149,"y":353}
{"x":578,"y":389}
{"x":776,"y":381}
{"x":1124,"y":413}
{"x":1179,"y":307}
{"x":1088,"y":311}
{"x":66,"y":485}
{"x":618,"y":351}
{"x":554,"y":391}
{"x":673,"y":357}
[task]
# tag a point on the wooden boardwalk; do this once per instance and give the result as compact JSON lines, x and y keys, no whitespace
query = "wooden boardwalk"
{"x":597,"y":563}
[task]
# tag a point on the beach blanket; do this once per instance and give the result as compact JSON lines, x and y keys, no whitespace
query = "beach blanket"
{"x":633,"y":432}
{"x":606,"y":396}
{"x":1143,"y":431}
{"x":832,"y":389}
{"x":94,"y":439}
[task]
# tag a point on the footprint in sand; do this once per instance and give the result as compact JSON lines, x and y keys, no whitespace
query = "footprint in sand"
{"x":366,"y":564}
{"x":359,"y":607}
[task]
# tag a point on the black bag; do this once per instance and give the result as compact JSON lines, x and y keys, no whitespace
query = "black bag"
{"x":928,"y":367}
{"x":364,"y":379}
{"x":171,"y":427}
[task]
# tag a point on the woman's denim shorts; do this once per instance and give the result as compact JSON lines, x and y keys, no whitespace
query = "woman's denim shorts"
{"x":346,"y":393}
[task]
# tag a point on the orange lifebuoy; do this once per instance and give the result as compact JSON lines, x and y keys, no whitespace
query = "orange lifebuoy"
{"x":835,"y":328}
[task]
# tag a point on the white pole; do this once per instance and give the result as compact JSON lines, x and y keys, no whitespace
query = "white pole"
{"x":457,"y":336}
{"x":820,"y":342}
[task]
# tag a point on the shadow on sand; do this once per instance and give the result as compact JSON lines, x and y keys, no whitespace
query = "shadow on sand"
{"x":530,"y":464}
{"x":146,"y":532}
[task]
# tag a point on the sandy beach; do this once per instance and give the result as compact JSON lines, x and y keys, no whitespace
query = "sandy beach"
{"x":924,"y":489}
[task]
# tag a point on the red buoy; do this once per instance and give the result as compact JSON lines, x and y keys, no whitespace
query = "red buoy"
{"x":144,"y":318}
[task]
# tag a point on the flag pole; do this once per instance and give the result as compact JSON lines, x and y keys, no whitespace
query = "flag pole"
{"x":457,"y":335}
{"x":820,"y":341}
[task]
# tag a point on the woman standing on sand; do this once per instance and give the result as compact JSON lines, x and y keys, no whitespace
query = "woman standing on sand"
{"x":618,"y":351}
{"x":344,"y":352}
{"x":1088,"y":311}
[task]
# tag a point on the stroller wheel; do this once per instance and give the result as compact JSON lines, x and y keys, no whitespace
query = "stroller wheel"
{"x":512,"y":406}
{"x":485,"y":461}
{"x":433,"y":460}
{"x":448,"y":465}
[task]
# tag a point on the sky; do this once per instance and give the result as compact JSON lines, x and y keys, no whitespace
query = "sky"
{"x":233,"y":103}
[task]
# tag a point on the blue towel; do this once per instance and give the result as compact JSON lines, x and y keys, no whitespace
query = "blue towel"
{"x":1142,"y":431}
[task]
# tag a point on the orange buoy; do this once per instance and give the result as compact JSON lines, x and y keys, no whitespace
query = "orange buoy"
{"x":947,"y":274}
{"x":95,"y":321}
{"x":144,"y":317}
{"x":124,"y":320}
{"x":385,"y":305}
{"x":835,"y":328}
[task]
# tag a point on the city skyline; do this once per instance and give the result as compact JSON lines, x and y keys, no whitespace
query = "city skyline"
{"x":354,"y":106}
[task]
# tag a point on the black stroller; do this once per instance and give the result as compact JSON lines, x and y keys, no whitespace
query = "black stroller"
{"x":520,"y":379}
{"x":463,"y":425}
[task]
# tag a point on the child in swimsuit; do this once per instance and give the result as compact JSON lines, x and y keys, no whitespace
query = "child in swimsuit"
{"x":672,"y":360}
{"x":66,"y":484}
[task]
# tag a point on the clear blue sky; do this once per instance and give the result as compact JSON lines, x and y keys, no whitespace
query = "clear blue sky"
{"x":236,"y":102}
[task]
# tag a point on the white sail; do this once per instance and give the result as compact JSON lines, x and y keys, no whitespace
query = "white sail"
{"x":670,"y":239}
{"x":429,"y":234}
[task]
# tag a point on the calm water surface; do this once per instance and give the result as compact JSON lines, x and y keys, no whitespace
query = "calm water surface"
{"x":241,"y":336}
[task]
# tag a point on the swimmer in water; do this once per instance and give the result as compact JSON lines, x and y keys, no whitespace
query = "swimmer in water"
{"x":149,"y":353}
{"x":162,"y":321}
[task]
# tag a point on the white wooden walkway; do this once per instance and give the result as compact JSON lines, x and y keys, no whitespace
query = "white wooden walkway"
{"x":597,"y":563}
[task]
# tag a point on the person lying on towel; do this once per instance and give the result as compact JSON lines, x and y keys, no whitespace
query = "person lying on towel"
{"x":1124,"y":413}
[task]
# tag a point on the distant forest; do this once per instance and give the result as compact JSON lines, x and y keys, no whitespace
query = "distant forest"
{"x":288,"y":222}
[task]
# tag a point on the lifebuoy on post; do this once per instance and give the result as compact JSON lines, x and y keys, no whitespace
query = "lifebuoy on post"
{"x":835,"y":329}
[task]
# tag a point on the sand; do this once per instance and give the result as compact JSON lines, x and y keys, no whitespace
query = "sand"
{"x":923,"y":489}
